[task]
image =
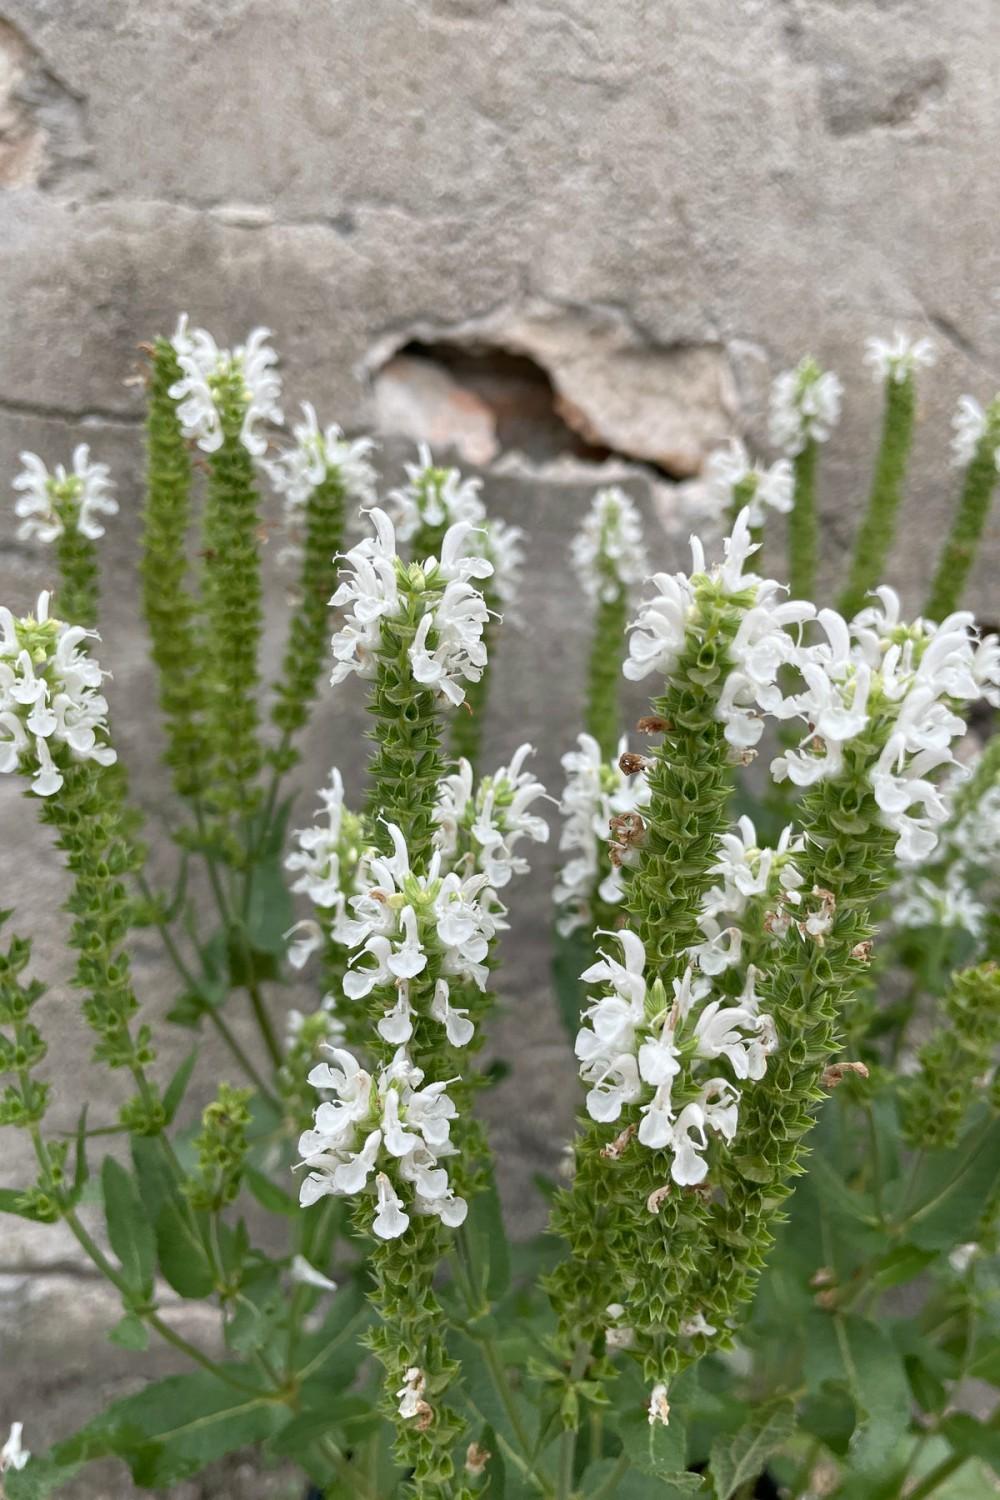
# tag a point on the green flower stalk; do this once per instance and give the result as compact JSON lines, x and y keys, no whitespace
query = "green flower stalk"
{"x":220,"y":397}
{"x":320,"y":478}
{"x":976,"y":448}
{"x":805,"y":408}
{"x":895,"y":365}
{"x":169,"y":607}
{"x":954,"y":1062}
{"x":25,"y":1102}
{"x":69,"y":762}
{"x":222,"y":1148}
{"x":64,"y":508}
{"x":609,"y":560}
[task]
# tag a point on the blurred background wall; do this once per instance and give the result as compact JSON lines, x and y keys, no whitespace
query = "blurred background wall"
{"x":571,"y":240}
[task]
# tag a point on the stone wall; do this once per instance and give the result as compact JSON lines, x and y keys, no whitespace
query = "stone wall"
{"x":589,"y":232}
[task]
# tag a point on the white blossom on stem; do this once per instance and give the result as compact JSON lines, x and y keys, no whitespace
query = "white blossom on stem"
{"x":731,"y":476}
{"x":608,"y":552}
{"x":479,"y":828}
{"x":49,"y":503}
{"x":12,"y":1454}
{"x":205,"y":368}
{"x":49,"y":698}
{"x":433,"y":497}
{"x":394,"y":1130}
{"x":970,"y":425}
{"x":318,"y":454}
{"x":898,"y":357}
{"x":596,"y":790}
{"x":805,"y":406}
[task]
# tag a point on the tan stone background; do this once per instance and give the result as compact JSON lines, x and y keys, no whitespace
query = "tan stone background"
{"x":652,"y":205}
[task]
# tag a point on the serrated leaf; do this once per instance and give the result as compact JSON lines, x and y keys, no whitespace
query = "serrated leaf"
{"x":9,"y":1200}
{"x":736,"y":1461}
{"x":838,"y":1199}
{"x":487,"y":1239}
{"x":177,"y":1086}
{"x":270,"y":913}
{"x":128,"y":1227}
{"x":181,"y":1255}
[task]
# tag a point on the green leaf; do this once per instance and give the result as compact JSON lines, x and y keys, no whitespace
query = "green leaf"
{"x":571,"y":955}
{"x":80,"y":1173}
{"x":858,"y":1355}
{"x":172,"y":1429}
{"x":838,"y":1199}
{"x":269,"y":1195}
{"x":973,"y":1439}
{"x":130,"y":1333}
{"x":177,"y":1086}
{"x":183,"y":1262}
{"x":270,"y":912}
{"x":737,"y":1461}
{"x":38,"y":1479}
{"x":128,"y":1227}
{"x":487,"y":1240}
{"x":652,"y":1448}
{"x":951,"y":1189}
{"x":635,"y":1486}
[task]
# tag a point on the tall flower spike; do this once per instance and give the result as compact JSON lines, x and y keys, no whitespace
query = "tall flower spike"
{"x":502,"y":547}
{"x":976,"y":449}
{"x":65,"y":507}
{"x":590,"y":887}
{"x":168,"y":603}
{"x":610,"y":561}
{"x":431,"y":500}
{"x":479,"y":828}
{"x":895,"y":365}
{"x":321,"y":478}
{"x":221,"y":397}
{"x":805,"y":408}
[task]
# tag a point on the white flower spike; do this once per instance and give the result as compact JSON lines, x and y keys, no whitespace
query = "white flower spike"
{"x":49,"y":503}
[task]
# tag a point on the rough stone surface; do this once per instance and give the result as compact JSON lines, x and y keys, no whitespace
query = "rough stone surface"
{"x":660,"y":205}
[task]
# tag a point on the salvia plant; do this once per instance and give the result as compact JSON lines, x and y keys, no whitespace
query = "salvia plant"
{"x":772,"y":1262}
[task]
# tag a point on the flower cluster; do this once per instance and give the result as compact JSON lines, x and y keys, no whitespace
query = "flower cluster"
{"x":49,"y":698}
{"x":318,"y":454}
{"x":640,"y":1046}
{"x":596,"y":791}
{"x":402,"y":921}
{"x":392,"y":1128}
{"x":501,"y":545}
{"x":325,"y":862}
{"x":49,"y":504}
{"x":918,"y":901}
{"x":208,"y":371}
{"x":749,"y":873}
{"x":903,"y":681}
{"x":447,"y":646}
{"x":898,"y":357}
{"x":433,"y":498}
{"x":607,"y":551}
{"x":805,"y":407}
{"x":970,"y":425}
{"x":479,"y":828}
{"x":733,"y":481}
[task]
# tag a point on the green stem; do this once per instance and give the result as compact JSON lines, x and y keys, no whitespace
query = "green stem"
{"x":265,"y":1023}
{"x":603,"y":719}
{"x":959,"y":553}
{"x":567,"y":1454}
{"x":802,"y":524}
{"x":937,"y":1476}
{"x":875,"y":535}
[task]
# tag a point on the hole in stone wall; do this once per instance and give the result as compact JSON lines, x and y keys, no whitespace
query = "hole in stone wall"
{"x":483,"y":400}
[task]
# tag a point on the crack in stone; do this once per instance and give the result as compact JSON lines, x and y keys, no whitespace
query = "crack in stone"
{"x":90,"y":416}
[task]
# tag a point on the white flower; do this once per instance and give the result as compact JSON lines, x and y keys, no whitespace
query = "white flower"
{"x":732,"y":480}
{"x":805,"y":406}
{"x":12,"y":1455}
{"x":325,"y":860}
{"x":898,"y":357}
{"x":433,"y":498}
{"x":970,"y":424}
{"x":697,"y":1326}
{"x":320,"y":454}
{"x":48,"y":503}
{"x":479,"y":830}
{"x":918,"y":901}
{"x":411,"y":1394}
{"x":49,"y":698}
{"x":370,"y":1129}
{"x":595,"y":791}
{"x":502,"y":546}
{"x":608,"y":553}
{"x":659,"y":1406}
{"x":961,"y":1258}
{"x":245,"y":373}
{"x":305,"y":1274}
{"x":447,"y":647}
